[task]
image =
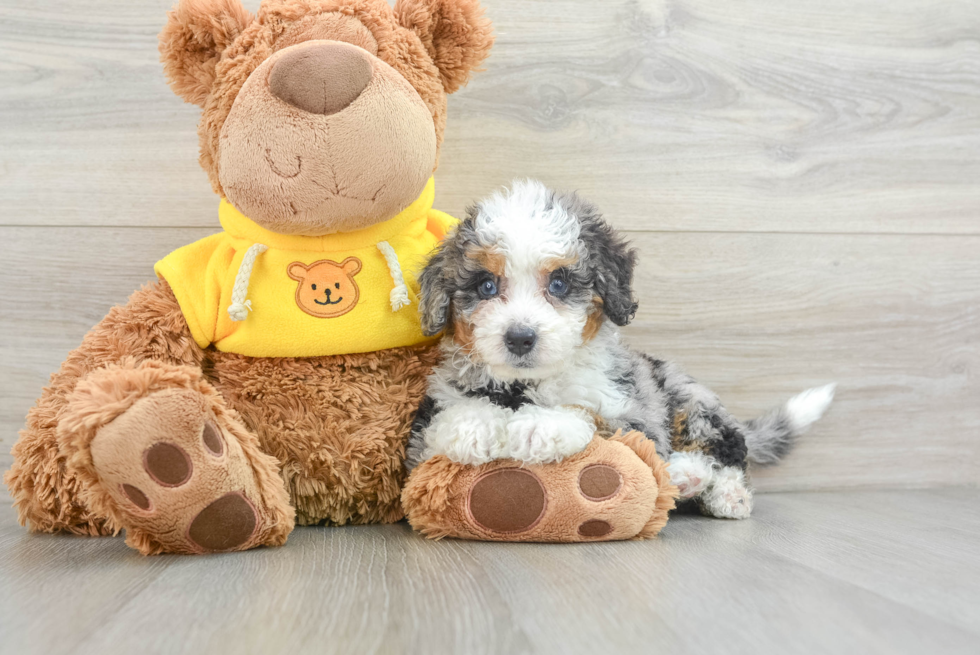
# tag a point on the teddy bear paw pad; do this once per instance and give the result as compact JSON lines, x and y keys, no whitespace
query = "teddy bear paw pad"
{"x":226,"y":523}
{"x":616,"y":488}
{"x":507,"y":500}
{"x":177,"y":475}
{"x":599,"y":482}
{"x":168,"y":464}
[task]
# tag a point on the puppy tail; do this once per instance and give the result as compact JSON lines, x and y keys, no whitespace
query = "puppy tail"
{"x":771,"y":436}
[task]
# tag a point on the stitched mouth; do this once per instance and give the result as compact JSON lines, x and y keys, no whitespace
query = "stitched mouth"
{"x":285,"y":174}
{"x":328,"y":301}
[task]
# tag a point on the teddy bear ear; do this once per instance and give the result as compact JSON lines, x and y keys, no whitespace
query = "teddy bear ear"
{"x":455,"y":32}
{"x":297,"y":271}
{"x":191,"y":43}
{"x":351,"y":266}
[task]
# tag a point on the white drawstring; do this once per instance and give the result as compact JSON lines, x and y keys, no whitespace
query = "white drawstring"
{"x":240,"y":307}
{"x":399,"y":295}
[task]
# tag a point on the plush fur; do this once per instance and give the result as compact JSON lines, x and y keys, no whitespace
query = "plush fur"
{"x":280,"y":23}
{"x":531,"y":289}
{"x":316,"y":440}
{"x":438,"y":495}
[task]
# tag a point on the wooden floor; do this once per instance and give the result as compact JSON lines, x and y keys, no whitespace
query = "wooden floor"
{"x":816,"y":572}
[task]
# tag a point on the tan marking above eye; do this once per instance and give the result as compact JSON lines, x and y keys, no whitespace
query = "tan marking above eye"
{"x":493,"y":261}
{"x":552,"y":264}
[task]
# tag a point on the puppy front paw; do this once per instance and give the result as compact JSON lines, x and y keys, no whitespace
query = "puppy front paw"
{"x":538,"y":435}
{"x":472,"y":434}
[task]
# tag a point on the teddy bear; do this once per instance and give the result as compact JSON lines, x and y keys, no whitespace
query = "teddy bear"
{"x":270,"y":375}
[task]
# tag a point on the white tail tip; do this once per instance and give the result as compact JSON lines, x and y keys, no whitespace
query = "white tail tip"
{"x":806,"y":408}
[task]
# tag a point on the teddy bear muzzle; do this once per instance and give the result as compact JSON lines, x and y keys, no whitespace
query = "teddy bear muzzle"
{"x":322,"y":79}
{"x":325,"y":137}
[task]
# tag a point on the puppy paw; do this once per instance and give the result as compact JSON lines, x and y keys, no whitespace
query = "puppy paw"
{"x":470,"y":433}
{"x":539,"y":435}
{"x":728,"y":497}
{"x":690,"y":472}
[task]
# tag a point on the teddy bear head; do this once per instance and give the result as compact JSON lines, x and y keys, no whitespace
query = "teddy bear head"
{"x":322,"y":116}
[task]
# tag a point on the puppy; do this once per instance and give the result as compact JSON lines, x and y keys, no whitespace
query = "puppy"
{"x":531,"y":289}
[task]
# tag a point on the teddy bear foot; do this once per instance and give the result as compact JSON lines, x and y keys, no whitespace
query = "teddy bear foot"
{"x":617,"y":488}
{"x":179,"y":473}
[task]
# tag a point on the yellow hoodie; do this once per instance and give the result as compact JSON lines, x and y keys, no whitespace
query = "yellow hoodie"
{"x":254,"y":292}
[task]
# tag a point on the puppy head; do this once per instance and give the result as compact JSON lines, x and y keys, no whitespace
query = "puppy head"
{"x":528,"y":277}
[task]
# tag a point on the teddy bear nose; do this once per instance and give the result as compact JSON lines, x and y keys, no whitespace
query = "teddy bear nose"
{"x":321,"y":79}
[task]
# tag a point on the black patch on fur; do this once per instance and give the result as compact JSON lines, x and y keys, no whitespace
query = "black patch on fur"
{"x":686,"y":506}
{"x":509,"y":396}
{"x":424,"y":415}
{"x":673,"y":402}
{"x":636,"y":426}
{"x":730,"y":449}
{"x":626,"y":381}
{"x":611,"y":260}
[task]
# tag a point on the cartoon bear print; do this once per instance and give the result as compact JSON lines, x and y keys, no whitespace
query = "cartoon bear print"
{"x":326,"y":289}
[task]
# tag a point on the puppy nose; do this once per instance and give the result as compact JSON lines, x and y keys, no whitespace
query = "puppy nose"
{"x":322,"y":78}
{"x":519,"y":340}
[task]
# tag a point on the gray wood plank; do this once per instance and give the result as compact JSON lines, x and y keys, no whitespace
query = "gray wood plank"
{"x":841,"y":116}
{"x":808,"y":573}
{"x":758,"y":317}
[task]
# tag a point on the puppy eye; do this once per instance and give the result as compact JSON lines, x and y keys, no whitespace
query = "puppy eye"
{"x":487,"y":289}
{"x":558,"y":287}
{"x":313,"y":286}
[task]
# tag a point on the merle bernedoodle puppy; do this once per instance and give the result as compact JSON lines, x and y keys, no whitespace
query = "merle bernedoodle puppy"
{"x":531,"y":290}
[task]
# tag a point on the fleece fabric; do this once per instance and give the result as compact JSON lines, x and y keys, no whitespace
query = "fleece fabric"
{"x":308,"y":296}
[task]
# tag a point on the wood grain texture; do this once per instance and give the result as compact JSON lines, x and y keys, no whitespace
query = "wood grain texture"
{"x":801,"y":180}
{"x":886,"y":572}
{"x":791,"y":116}
{"x":758,"y":317}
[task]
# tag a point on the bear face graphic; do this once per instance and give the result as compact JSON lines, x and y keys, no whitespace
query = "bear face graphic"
{"x":326,"y":289}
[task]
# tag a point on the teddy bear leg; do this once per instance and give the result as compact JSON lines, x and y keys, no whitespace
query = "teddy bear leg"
{"x":160,"y":454}
{"x":45,"y":493}
{"x":617,"y":488}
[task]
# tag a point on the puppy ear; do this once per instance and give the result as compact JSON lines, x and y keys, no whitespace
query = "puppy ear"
{"x":455,"y":32}
{"x":191,"y":43}
{"x":613,"y":262}
{"x":436,"y":292}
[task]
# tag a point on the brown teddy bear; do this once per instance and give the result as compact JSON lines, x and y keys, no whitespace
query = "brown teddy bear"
{"x":271,"y":374}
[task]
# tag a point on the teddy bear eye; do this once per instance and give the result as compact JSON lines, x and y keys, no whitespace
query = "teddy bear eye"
{"x":336,"y":285}
{"x":313,"y":286}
